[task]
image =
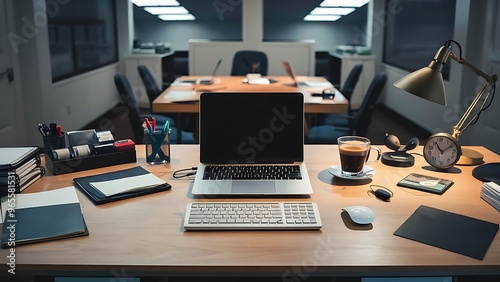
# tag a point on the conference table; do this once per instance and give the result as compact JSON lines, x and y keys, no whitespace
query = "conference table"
{"x":144,"y":236}
{"x":183,"y":98}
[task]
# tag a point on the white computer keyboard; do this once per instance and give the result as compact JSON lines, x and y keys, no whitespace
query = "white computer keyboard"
{"x":252,"y":216}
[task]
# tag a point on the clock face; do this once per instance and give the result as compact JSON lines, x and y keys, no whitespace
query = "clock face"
{"x":442,"y":150}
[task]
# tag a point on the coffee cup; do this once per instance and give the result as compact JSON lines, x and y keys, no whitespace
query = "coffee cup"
{"x":355,"y":153}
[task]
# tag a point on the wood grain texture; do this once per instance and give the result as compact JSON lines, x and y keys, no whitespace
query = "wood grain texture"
{"x":144,"y":235}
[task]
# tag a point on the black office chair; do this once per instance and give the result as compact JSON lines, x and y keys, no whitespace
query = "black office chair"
{"x":136,"y":119}
{"x":249,"y":61}
{"x":346,"y":90}
{"x":358,"y":124}
{"x":185,"y":122}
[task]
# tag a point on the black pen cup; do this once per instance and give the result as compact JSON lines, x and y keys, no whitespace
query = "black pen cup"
{"x":52,"y":143}
{"x":157,"y":147}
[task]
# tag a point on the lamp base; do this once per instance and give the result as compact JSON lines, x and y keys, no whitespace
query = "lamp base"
{"x":470,"y":157}
{"x":399,"y":159}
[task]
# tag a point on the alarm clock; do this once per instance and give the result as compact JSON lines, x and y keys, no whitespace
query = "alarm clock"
{"x":442,"y":150}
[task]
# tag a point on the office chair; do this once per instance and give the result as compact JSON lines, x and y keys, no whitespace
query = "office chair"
{"x":249,"y":61}
{"x":358,"y":124}
{"x":346,"y":90}
{"x":136,"y":119}
{"x":186,"y":122}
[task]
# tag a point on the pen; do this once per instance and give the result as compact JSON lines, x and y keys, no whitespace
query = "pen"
{"x":41,"y":129}
{"x":148,"y":125}
{"x":53,"y":129}
{"x":58,"y":130}
{"x":166,"y":127}
{"x":153,"y":121}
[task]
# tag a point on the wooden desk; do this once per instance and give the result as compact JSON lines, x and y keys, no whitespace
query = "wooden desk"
{"x":144,"y":236}
{"x":167,"y":104}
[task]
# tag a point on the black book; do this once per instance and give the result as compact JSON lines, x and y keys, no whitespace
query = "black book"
{"x":93,"y":186}
{"x":42,"y":216}
{"x":12,"y":158}
{"x":19,"y":183}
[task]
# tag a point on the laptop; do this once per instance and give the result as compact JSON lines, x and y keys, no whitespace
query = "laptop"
{"x":205,"y":81}
{"x":289,"y":70}
{"x":245,"y":130}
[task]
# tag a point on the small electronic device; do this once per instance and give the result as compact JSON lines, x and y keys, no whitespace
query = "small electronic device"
{"x":399,"y":157}
{"x":360,"y":214}
{"x":426,"y":183}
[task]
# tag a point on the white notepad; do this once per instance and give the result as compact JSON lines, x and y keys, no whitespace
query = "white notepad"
{"x":127,"y":184}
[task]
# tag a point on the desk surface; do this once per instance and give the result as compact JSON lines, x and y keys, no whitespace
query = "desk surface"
{"x":144,"y":235}
{"x":174,"y":98}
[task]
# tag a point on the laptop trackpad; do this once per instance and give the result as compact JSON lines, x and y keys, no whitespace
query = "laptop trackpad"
{"x":249,"y":187}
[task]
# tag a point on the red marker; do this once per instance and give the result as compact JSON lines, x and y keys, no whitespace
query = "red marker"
{"x":148,"y":125}
{"x":59,"y":130}
{"x":153,"y":120}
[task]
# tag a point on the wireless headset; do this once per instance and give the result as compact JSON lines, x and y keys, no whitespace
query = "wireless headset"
{"x":392,"y":142}
{"x":399,"y":157}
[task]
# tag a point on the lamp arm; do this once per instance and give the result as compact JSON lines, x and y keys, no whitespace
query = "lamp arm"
{"x":490,"y":79}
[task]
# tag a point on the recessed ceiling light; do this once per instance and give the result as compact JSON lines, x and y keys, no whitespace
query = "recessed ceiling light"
{"x":332,"y":11}
{"x":322,"y":18}
{"x":166,"y":10}
{"x":343,"y":3}
{"x":185,"y":17}
{"x":142,"y":3}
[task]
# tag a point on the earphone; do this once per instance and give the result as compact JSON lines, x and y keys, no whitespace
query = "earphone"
{"x":392,"y":142}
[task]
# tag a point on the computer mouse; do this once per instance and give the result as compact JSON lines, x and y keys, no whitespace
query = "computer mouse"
{"x":360,"y":214}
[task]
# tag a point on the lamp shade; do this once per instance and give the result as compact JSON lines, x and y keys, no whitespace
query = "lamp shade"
{"x":425,"y":83}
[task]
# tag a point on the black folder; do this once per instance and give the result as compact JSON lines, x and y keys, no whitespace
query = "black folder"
{"x":450,"y":231}
{"x":97,"y":197}
{"x":55,"y":216}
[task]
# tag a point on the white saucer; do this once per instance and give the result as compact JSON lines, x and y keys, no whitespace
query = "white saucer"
{"x":368,"y":172}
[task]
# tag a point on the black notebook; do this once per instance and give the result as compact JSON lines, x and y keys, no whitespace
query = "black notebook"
{"x":119,"y":185}
{"x":14,"y":157}
{"x":42,"y":216}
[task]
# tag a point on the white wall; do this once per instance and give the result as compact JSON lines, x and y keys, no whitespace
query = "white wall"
{"x":73,"y":102}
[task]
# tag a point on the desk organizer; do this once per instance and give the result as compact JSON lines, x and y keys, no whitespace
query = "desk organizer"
{"x":95,"y":161}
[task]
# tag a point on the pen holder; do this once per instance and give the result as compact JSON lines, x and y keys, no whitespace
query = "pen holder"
{"x":53,"y":142}
{"x":157,"y":147}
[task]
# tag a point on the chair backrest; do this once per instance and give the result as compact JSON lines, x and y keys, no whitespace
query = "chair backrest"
{"x":150,"y":84}
{"x":127,"y":95}
{"x":364,"y":114}
{"x":248,"y":61}
{"x":351,"y":81}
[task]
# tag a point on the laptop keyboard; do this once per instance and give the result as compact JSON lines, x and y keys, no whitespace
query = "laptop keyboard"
{"x":216,"y":172}
{"x":252,"y":216}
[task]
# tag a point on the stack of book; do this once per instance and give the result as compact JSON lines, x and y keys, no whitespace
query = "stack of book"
{"x":490,"y":192}
{"x":19,"y":168}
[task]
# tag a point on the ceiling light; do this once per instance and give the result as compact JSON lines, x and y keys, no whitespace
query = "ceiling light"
{"x":184,"y":17}
{"x":332,"y":11}
{"x":344,"y":3}
{"x":166,"y":10}
{"x":142,"y":3}
{"x":323,"y":18}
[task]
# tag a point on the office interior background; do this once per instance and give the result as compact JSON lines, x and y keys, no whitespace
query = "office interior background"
{"x":74,"y":101}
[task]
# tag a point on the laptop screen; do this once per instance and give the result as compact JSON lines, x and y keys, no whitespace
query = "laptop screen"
{"x":251,"y":127}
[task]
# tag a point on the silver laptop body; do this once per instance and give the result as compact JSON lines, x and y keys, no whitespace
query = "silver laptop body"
{"x":251,"y":129}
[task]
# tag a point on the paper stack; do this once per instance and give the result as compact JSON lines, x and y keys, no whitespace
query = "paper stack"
{"x":490,"y":192}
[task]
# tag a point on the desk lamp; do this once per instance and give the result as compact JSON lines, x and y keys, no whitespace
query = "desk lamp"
{"x":428,"y":83}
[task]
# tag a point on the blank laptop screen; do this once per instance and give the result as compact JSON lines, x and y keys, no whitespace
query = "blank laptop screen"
{"x":251,"y":128}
